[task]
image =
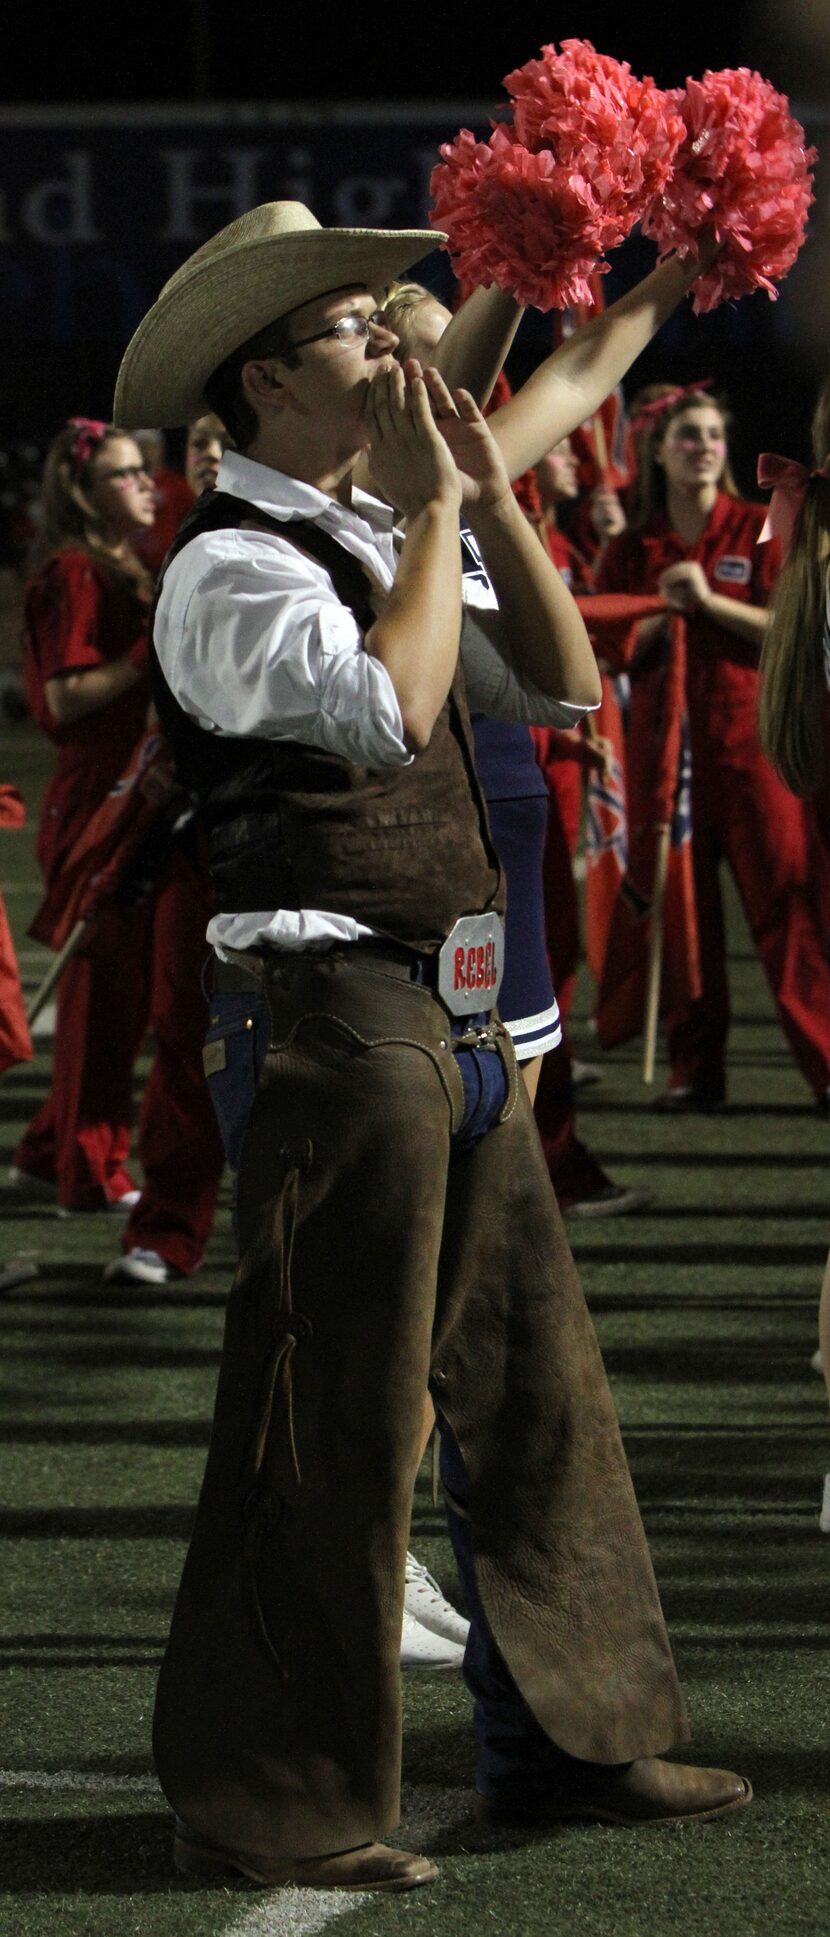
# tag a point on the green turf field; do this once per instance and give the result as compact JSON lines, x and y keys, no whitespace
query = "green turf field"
{"x":706,"y":1311}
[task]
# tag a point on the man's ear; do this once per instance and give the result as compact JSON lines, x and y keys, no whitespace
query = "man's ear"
{"x":259,"y":383}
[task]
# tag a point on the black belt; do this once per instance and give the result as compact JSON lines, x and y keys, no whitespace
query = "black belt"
{"x":468,"y":1033}
{"x":391,"y":957}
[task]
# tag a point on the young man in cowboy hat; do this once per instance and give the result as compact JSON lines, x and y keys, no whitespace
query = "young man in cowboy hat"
{"x":396,"y":1219}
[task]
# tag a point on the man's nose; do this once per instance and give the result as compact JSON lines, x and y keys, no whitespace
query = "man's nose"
{"x":381,"y":339}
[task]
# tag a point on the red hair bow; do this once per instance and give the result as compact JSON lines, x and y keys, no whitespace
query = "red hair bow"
{"x":788,"y":481}
{"x":655,"y":409}
{"x":89,"y":433}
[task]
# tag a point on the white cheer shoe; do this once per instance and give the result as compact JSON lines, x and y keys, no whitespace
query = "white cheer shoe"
{"x":142,"y":1267}
{"x":420,"y":1648}
{"x":425,"y":1603}
{"x":40,"y":1191}
{"x":17,"y":1271}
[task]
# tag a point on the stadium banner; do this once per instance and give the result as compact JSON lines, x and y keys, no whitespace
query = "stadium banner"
{"x":99,"y":205}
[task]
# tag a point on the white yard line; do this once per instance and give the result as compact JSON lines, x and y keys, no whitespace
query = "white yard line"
{"x":302,"y":1913}
{"x":285,"y":1913}
{"x":297,"y":1913}
{"x":67,"y":1781}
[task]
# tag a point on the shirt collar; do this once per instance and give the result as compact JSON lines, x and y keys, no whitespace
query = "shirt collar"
{"x":286,"y":497}
{"x":661,"y":526}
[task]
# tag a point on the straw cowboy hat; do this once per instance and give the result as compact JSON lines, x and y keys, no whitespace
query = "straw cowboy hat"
{"x":270,"y":261}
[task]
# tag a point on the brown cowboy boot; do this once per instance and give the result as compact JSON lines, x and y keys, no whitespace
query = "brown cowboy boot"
{"x":374,"y":1866}
{"x":645,"y":1791}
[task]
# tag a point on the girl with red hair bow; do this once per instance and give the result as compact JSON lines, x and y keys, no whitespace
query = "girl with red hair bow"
{"x":85,"y":663}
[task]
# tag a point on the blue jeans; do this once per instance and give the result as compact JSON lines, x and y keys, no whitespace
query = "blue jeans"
{"x":513,"y":1751}
{"x":240,"y":1022}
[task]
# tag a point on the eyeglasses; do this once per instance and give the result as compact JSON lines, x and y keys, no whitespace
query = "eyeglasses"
{"x":348,"y":329}
{"x":135,"y":471}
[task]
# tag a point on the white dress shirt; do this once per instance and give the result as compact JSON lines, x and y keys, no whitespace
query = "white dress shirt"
{"x":254,"y":641}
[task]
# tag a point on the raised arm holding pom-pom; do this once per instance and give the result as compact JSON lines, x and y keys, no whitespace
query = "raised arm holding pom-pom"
{"x":569,"y":386}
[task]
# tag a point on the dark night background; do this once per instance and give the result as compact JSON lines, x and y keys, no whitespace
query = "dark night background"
{"x":217,"y":70}
{"x":349,"y":52}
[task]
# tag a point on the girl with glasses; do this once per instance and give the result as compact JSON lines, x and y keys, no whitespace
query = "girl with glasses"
{"x":86,"y":671}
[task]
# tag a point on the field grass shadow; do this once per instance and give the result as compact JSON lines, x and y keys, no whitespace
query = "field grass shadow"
{"x":89,"y":1855}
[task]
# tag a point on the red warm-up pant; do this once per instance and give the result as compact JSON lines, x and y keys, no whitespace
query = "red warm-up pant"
{"x":141,"y":970}
{"x":742,"y":813}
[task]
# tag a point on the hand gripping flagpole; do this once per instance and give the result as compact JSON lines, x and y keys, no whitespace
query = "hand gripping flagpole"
{"x":55,"y":971}
{"x":665,"y":798}
{"x":100,"y":858}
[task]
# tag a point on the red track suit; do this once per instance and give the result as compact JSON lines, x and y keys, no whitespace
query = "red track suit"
{"x":142,"y":964}
{"x":740,"y":810}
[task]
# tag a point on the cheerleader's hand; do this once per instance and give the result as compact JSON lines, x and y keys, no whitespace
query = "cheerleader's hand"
{"x":599,"y":756}
{"x":685,"y":587}
{"x":479,"y":462}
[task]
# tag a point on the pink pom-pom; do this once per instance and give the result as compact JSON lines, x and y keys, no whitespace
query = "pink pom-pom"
{"x":516,"y":219}
{"x":742,"y":171}
{"x":597,"y":117}
{"x":535,"y":208}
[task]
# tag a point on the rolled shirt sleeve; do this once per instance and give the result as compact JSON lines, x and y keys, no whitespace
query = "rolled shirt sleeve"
{"x":253,"y":639}
{"x":496,"y":688}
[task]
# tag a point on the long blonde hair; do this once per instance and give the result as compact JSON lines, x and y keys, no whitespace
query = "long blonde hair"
{"x":793,"y":679}
{"x":66,"y":525}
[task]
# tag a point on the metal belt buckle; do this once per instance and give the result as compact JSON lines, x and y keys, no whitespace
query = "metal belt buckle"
{"x":471,"y":964}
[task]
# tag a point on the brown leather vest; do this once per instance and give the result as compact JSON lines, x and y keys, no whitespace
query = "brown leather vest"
{"x":406,"y":850}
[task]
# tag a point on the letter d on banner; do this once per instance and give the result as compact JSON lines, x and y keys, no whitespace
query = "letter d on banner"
{"x":60,"y":211}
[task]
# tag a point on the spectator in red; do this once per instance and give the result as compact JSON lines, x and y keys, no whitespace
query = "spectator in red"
{"x":85,"y":657}
{"x":695,"y":544}
{"x":207,"y":439}
{"x":173,"y":497}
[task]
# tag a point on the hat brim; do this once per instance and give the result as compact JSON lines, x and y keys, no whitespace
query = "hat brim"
{"x":201,"y":316}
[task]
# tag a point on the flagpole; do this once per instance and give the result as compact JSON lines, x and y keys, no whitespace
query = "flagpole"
{"x":53,"y":975}
{"x":655,"y":953}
